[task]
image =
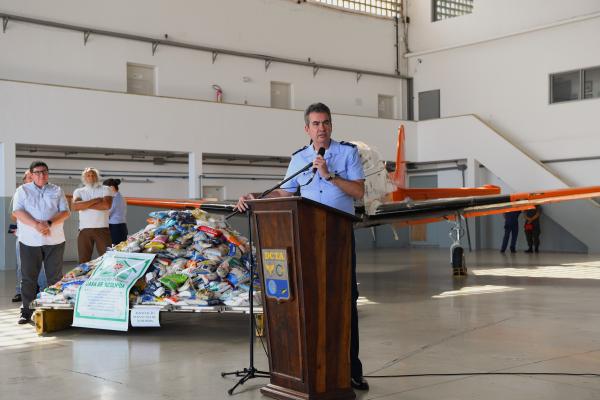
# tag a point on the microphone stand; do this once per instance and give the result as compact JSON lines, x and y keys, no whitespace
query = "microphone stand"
{"x":252,"y":372}
{"x":277,"y":186}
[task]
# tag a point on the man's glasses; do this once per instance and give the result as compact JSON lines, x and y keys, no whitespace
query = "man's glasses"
{"x":39,"y":173}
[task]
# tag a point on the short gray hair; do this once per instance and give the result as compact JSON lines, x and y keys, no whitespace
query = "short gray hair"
{"x":318,"y":108}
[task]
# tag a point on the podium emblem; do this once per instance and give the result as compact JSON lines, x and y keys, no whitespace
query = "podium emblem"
{"x":276,"y":274}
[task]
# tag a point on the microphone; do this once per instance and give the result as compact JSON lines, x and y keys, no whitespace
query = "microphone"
{"x":321,"y":153}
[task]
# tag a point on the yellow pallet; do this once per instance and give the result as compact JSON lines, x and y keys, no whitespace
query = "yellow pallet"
{"x":52,"y":320}
{"x":260,"y":325}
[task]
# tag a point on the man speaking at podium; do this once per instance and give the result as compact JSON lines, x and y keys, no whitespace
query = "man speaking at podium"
{"x":336,"y":179}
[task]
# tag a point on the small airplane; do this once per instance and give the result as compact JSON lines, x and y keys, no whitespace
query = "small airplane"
{"x":398,"y":179}
{"x":387,"y":200}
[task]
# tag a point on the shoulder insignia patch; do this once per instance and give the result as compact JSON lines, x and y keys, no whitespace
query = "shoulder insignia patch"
{"x":347,"y":144}
{"x":299,"y":150}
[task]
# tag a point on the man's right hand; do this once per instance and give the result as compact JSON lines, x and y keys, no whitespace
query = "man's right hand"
{"x":43,"y":228}
{"x":241,"y":205}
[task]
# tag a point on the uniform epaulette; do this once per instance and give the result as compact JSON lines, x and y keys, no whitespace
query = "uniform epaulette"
{"x":347,"y":144}
{"x":299,"y":150}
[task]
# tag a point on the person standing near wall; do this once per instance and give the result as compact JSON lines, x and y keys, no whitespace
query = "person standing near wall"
{"x":117,"y":215}
{"x":532,"y":229}
{"x":511,"y":230}
{"x":93,"y":201}
{"x":40,"y":208}
{"x":41,"y":281}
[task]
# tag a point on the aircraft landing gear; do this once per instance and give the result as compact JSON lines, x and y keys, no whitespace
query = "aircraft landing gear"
{"x":457,"y":252}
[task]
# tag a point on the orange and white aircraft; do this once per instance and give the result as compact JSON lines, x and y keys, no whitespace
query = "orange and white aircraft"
{"x":401,"y":193}
{"x":387,"y":200}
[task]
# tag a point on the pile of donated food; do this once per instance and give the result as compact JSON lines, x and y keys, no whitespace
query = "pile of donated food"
{"x":200,"y":261}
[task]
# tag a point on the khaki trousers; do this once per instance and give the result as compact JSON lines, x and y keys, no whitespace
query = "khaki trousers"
{"x":86,"y":240}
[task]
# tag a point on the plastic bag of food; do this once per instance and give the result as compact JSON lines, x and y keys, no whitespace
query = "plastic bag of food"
{"x":79,"y":270}
{"x":212,"y":253}
{"x":237,"y":276}
{"x":223,"y":270}
{"x":211,"y":232}
{"x":159,"y":214}
{"x":173,"y":281}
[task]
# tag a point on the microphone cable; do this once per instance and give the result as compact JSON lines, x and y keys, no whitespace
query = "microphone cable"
{"x":300,"y":186}
{"x":581,"y":374}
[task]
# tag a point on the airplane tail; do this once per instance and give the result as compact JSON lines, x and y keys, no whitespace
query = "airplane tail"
{"x":398,"y":177}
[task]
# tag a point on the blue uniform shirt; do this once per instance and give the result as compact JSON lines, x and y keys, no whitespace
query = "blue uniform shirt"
{"x":511,"y":219}
{"x":118,"y":210}
{"x":342,"y":159}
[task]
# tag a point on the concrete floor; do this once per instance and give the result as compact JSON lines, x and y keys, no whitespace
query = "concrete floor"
{"x":514,"y":313}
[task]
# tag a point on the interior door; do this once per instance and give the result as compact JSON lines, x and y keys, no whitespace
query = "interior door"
{"x":429,"y":105}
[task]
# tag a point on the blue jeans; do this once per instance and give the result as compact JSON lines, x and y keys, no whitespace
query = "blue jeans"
{"x":42,"y":281}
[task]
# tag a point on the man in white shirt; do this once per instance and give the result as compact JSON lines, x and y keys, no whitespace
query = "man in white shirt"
{"x":40,"y":208}
{"x":41,"y":282}
{"x":93,"y":201}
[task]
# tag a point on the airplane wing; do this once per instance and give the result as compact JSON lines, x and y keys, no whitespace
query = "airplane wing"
{"x":428,"y":211}
{"x":423,"y":212}
{"x":415,"y":212}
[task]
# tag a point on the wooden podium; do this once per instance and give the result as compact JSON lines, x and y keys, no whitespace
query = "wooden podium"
{"x":304,"y":261}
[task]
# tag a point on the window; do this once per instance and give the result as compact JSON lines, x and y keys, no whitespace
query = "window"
{"x":281,"y":95}
{"x":565,"y":86}
{"x":575,"y":85}
{"x":444,"y":9}
{"x":386,"y":106}
{"x":141,"y":79}
{"x":429,"y":105}
{"x":591,"y":83}
{"x":383,"y":8}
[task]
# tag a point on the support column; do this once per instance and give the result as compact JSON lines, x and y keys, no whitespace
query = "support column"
{"x":8,"y":167}
{"x":194,"y":174}
{"x":473,"y":179}
{"x":7,"y":189}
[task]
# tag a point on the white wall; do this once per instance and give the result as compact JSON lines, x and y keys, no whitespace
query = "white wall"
{"x":272,"y":27}
{"x":53,"y":115}
{"x":142,"y":179}
{"x":158,"y":181}
{"x":469,"y":138}
{"x":490,"y":18}
{"x":506,"y":83}
{"x":553,"y":236}
{"x":41,"y":114}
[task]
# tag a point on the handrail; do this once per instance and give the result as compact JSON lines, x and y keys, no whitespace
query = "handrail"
{"x":572,"y":159}
{"x":538,"y":162}
{"x":268,"y":59}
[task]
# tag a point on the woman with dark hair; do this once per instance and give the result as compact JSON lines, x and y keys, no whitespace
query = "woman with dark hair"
{"x":117,"y":214}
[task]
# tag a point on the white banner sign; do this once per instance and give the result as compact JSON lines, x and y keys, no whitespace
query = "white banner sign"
{"x":145,"y":317}
{"x":103,"y":300}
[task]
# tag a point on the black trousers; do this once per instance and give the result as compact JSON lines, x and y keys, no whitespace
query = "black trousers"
{"x":356,"y":367}
{"x":118,"y":232}
{"x":533,"y":238}
{"x":511,"y":231}
{"x":32,"y":258}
